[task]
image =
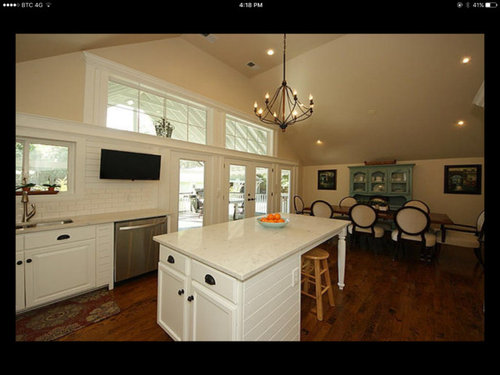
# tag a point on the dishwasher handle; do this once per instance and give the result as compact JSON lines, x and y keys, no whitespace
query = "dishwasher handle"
{"x":141,"y":226}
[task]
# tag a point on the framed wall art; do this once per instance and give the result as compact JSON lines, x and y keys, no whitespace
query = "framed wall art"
{"x":327,"y":179}
{"x":462,"y":179}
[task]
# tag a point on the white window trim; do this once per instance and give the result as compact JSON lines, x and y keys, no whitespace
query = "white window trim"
{"x":99,"y":70}
{"x":45,"y":141}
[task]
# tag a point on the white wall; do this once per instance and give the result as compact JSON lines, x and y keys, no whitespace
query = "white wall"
{"x":428,"y":186}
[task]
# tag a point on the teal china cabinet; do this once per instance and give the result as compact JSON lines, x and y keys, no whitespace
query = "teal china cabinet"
{"x":390,"y":181}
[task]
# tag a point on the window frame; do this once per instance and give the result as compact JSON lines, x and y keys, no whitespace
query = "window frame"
{"x":26,"y":141}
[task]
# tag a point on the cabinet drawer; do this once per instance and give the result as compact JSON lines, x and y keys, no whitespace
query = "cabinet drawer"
{"x":59,"y":236}
{"x":173,"y":259}
{"x":215,"y":280}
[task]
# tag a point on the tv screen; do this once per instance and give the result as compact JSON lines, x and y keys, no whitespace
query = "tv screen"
{"x":124,"y":165}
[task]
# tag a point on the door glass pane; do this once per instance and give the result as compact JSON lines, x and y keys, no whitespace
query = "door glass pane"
{"x":285,"y":191}
{"x":261,"y":184}
{"x":191,"y":194}
{"x":236,"y":192}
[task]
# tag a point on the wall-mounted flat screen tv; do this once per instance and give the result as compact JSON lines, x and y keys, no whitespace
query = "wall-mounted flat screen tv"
{"x":124,"y":165}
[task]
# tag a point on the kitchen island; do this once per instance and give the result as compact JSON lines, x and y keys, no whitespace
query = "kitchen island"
{"x":239,"y":280}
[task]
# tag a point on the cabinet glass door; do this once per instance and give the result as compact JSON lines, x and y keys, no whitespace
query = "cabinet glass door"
{"x":359,"y":182}
{"x":399,"y":181}
{"x":377,"y":182}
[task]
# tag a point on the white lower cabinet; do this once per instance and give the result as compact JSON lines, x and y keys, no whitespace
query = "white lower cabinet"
{"x":55,"y":264}
{"x":213,"y":318}
{"x":187,"y":310}
{"x":58,"y":271}
{"x":171,"y":316}
{"x":199,"y":303}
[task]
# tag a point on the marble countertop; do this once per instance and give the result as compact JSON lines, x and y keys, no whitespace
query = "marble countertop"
{"x":244,"y":248}
{"x":83,"y":220}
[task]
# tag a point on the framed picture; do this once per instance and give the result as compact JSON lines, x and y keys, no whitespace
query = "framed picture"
{"x":462,"y":179}
{"x":327,"y":179}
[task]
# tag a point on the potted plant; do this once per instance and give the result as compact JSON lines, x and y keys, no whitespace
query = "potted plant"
{"x":164,"y":128}
{"x":51,"y":187}
{"x":25,"y":186}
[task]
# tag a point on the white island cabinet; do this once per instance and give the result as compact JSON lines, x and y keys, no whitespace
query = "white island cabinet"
{"x":238,"y":280}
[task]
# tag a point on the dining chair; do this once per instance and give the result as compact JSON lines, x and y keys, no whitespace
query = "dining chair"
{"x":417,"y":203}
{"x":321,"y":208}
{"x":462,"y":235}
{"x":413,"y":224}
{"x":345,"y":202}
{"x":298,"y":205}
{"x":363,"y":221}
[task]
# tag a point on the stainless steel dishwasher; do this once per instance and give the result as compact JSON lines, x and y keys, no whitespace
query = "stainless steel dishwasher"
{"x":135,"y":251}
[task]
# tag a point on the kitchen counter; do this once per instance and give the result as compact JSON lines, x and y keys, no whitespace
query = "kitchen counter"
{"x":244,"y":248}
{"x":239,"y":280}
{"x":83,"y":220}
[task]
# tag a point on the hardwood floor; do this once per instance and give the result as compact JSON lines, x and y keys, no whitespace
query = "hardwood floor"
{"x":384,"y":300}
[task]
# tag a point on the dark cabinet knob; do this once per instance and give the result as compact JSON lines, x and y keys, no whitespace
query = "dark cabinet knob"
{"x":19,"y":262}
{"x":170,"y":259}
{"x":63,"y":237}
{"x":28,"y":260}
{"x":190,"y":298}
{"x":209,"y":279}
{"x":180,"y":292}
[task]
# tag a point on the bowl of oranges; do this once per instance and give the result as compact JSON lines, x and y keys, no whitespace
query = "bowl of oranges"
{"x":272,"y":221}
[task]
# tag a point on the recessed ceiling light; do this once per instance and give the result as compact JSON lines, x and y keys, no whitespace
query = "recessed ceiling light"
{"x":270,"y":52}
{"x":130,"y":102}
{"x":466,"y":59}
{"x":319,"y":142}
{"x":460,"y":123}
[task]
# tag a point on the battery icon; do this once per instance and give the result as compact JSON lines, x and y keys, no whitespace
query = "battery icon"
{"x":491,"y":5}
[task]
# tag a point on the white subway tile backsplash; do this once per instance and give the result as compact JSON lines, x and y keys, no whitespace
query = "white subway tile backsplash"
{"x":99,"y":196}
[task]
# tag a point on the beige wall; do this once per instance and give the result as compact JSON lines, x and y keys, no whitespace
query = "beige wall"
{"x":428,"y":186}
{"x":54,"y":86}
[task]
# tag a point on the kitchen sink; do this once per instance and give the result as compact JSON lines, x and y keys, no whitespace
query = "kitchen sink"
{"x":43,"y":223}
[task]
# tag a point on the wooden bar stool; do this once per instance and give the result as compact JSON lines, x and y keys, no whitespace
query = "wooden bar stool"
{"x":316,"y":260}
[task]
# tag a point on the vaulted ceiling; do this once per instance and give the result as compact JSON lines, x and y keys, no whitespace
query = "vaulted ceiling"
{"x":377,"y":96}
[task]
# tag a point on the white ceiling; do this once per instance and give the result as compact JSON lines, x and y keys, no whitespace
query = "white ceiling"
{"x":377,"y":96}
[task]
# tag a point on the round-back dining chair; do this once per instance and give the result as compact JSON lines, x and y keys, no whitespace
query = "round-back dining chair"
{"x":363,"y":220}
{"x":321,"y":208}
{"x":417,"y":203}
{"x":413,"y":224}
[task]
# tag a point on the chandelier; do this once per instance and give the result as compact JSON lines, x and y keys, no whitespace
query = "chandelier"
{"x":284,"y":108}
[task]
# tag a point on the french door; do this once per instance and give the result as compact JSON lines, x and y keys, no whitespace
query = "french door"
{"x":190,"y":187}
{"x":248,"y":187}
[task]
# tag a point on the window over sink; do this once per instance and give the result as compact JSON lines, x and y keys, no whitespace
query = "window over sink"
{"x":43,"y":161}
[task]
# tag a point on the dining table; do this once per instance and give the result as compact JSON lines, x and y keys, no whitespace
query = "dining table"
{"x":435,"y":218}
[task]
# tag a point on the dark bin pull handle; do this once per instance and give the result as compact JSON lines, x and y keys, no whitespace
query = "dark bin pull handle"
{"x":170,"y":259}
{"x":209,"y":279}
{"x":63,"y":237}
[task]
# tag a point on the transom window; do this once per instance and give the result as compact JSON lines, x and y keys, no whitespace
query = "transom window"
{"x":139,"y":108}
{"x":244,"y":136}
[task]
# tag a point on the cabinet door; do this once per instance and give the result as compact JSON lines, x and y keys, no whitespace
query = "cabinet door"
{"x":378,"y":179}
{"x":213,"y":317}
{"x":172,"y":294}
{"x":20,"y":281}
{"x":399,"y":180}
{"x":359,"y":180}
{"x":58,"y":271}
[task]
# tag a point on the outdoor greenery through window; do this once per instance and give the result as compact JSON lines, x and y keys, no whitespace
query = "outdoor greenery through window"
{"x":243,"y":136}
{"x":42,"y":163}
{"x":137,"y":109}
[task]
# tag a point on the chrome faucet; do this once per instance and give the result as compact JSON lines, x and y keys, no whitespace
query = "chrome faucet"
{"x":27,"y":215}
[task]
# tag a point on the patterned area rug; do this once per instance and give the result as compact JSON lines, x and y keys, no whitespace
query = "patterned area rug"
{"x":51,"y":322}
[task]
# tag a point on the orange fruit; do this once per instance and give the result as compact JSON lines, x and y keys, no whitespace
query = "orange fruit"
{"x":277,"y":216}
